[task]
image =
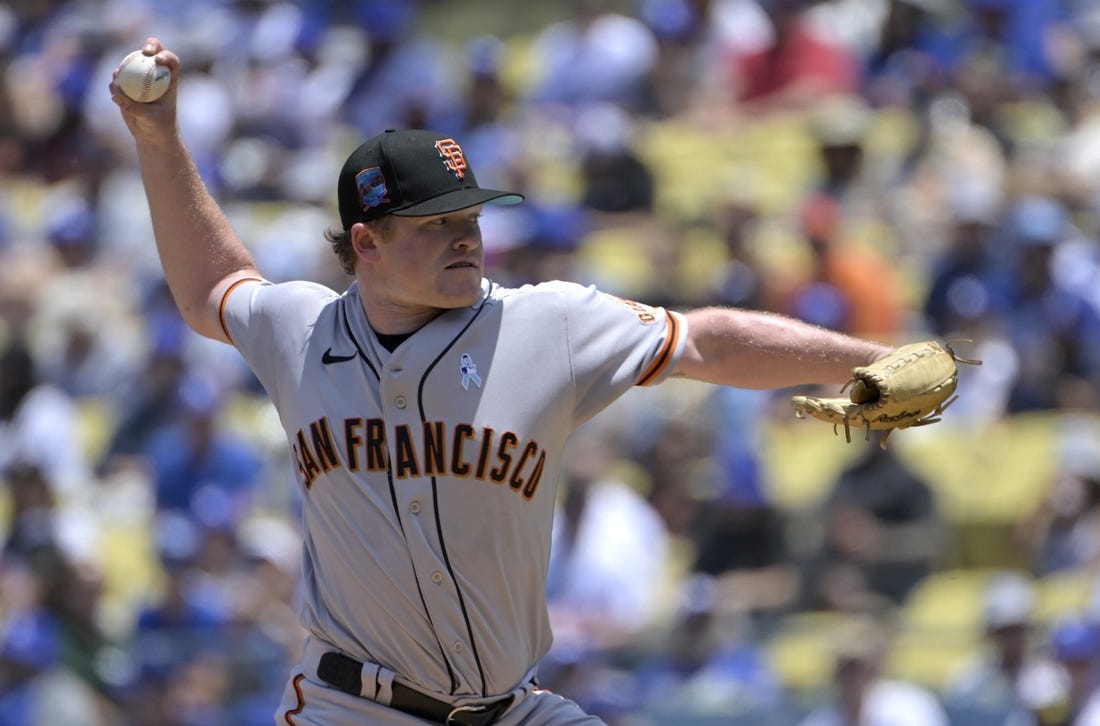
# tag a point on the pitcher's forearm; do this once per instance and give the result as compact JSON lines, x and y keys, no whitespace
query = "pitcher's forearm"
{"x":750,"y":349}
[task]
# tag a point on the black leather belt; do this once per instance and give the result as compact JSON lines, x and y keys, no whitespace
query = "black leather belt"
{"x":340,"y":671}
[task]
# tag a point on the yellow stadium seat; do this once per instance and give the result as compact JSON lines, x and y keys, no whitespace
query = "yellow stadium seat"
{"x":802,"y":460}
{"x":95,"y":426}
{"x":802,"y":652}
{"x":130,"y":569}
{"x":1064,"y":594}
{"x":770,"y":162}
{"x":930,"y":657}
{"x":613,"y":254}
{"x":997,"y":474}
{"x":949,"y":602}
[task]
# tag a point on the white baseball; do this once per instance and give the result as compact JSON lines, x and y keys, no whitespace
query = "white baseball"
{"x":141,"y":78}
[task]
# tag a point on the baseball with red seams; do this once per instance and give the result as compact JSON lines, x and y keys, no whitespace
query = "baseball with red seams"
{"x":141,"y":78}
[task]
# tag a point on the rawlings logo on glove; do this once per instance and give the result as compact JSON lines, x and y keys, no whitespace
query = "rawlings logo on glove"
{"x":912,"y":386}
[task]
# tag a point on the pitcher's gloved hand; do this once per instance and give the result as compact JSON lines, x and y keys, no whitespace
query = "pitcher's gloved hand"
{"x":911,"y":386}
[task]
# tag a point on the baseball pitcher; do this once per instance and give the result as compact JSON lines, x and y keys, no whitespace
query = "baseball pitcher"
{"x":426,"y":409}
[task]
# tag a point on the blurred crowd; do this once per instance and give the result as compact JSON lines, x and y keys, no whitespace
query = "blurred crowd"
{"x":897,"y":169}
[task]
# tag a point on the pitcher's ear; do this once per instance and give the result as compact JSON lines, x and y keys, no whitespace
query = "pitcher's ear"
{"x":364,"y":238}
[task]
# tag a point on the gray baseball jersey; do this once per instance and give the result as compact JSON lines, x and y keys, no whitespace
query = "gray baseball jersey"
{"x":429,"y":474}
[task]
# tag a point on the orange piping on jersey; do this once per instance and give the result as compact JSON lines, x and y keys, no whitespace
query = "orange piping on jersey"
{"x":665,"y":355}
{"x":225,"y":298}
{"x":289,"y":715}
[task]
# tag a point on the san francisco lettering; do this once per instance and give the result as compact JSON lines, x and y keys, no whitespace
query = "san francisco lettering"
{"x":433,"y":449}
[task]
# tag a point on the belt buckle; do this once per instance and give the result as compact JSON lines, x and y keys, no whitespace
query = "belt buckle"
{"x":466,"y":709}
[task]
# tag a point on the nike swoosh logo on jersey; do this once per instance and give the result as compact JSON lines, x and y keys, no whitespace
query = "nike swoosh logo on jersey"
{"x":328,"y":357}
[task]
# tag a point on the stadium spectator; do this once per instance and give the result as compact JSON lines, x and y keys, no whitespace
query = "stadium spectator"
{"x":1011,"y":675}
{"x":883,"y":533}
{"x":1075,"y":643}
{"x":797,"y":67}
{"x":707,"y":665}
{"x":1054,"y":328}
{"x":602,"y":523}
{"x":861,"y":694}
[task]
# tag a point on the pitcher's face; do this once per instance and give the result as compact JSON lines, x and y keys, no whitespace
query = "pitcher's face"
{"x":434,"y":262}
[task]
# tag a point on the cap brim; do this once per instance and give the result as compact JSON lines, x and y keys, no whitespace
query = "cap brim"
{"x":456,"y":200}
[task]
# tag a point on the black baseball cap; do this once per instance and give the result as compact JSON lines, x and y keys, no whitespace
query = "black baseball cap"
{"x":410,"y":173}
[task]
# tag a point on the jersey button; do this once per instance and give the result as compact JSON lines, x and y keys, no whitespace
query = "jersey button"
{"x":459,"y":647}
{"x":414,"y":507}
{"x":400,"y":402}
{"x":437,"y":577}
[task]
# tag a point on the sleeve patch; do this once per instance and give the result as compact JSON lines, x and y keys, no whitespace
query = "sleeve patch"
{"x":646,"y":314}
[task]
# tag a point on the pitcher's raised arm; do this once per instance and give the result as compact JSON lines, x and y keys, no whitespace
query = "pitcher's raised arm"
{"x":199,"y":251}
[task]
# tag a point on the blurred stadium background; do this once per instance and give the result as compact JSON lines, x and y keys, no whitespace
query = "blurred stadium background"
{"x":895,"y":168}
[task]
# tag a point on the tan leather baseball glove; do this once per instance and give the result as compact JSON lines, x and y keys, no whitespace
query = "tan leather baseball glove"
{"x":911,"y":386}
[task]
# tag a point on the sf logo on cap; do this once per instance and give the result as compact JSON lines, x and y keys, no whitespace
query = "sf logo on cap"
{"x":453,"y":158}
